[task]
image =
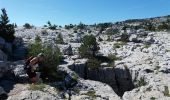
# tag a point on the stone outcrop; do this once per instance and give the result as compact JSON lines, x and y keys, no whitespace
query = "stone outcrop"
{"x":3,"y":56}
{"x":119,"y":78}
{"x":66,"y":49}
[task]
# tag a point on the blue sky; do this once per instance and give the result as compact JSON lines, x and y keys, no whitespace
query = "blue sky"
{"x":61,"y":12}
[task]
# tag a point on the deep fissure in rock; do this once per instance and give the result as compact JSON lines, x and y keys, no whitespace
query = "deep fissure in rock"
{"x":119,"y":79}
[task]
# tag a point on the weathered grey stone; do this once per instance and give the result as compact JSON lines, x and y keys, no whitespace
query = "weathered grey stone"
{"x":66,"y":49}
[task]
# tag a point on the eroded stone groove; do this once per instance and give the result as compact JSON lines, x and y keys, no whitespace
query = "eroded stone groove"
{"x":118,"y":78}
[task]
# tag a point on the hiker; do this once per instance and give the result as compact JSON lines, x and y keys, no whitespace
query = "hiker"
{"x":32,"y":64}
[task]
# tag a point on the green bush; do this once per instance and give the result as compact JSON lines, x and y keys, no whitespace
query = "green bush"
{"x":112,"y":58}
{"x":52,"y":59}
{"x":89,"y":47}
{"x":35,"y":87}
{"x":124,"y":37}
{"x":91,"y":94}
{"x":59,"y":39}
{"x":112,"y":31}
{"x":81,"y":26}
{"x":166,"y":91}
{"x":147,"y":46}
{"x":141,"y":82}
{"x":93,"y":64}
{"x":119,"y":44}
{"x":50,"y":26}
{"x":153,"y":98}
{"x":27,"y":26}
{"x":6,"y":30}
{"x":163,"y":26}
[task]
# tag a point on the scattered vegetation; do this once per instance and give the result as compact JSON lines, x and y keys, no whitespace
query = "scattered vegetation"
{"x":6,"y":30}
{"x":89,"y":47}
{"x":149,"y":88}
{"x":119,"y":44}
{"x":35,"y":87}
{"x":166,"y":91}
{"x":147,"y":46}
{"x":59,"y":39}
{"x":157,"y":67}
{"x":93,"y":63}
{"x":27,"y":26}
{"x":69,"y":26}
{"x":112,"y":58}
{"x":50,"y":26}
{"x":152,"y":98}
{"x":91,"y":94}
{"x":141,"y":82}
{"x":81,"y":26}
{"x":124,"y":37}
{"x":112,"y":31}
{"x":44,"y":32}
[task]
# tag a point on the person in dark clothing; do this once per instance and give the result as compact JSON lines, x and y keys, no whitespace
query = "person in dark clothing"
{"x":32,"y":64}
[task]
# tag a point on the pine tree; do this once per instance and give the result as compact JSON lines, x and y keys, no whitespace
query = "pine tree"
{"x":89,"y":47}
{"x":6,"y":30}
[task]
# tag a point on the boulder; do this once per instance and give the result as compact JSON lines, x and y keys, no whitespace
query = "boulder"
{"x":105,"y":75}
{"x":66,"y":49}
{"x":149,"y":40}
{"x":18,"y":41}
{"x":3,"y":94}
{"x":79,"y":67}
{"x":19,"y":52}
{"x":3,"y":56}
{"x":4,"y":68}
{"x":2,"y":42}
{"x":8,"y":48}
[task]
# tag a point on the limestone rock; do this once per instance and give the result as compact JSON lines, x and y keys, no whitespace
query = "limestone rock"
{"x":66,"y":49}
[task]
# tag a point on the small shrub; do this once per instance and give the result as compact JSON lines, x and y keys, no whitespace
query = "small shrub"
{"x":124,"y":37}
{"x":113,"y":57}
{"x":81,"y":26}
{"x":152,"y":98}
{"x":100,"y":39}
{"x":70,"y":35}
{"x":147,"y":46}
{"x":157,"y":68}
{"x":59,"y":39}
{"x":50,"y":26}
{"x":149,"y":88}
{"x":141,"y":82}
{"x":44,"y":32}
{"x":38,"y":39}
{"x":76,"y":90}
{"x":34,"y":49}
{"x":93,"y":64}
{"x":91,"y":94}
{"x":112,"y":31}
{"x":27,"y":26}
{"x":89,"y":47}
{"x":35,"y":87}
{"x":166,"y":91}
{"x":119,"y":44}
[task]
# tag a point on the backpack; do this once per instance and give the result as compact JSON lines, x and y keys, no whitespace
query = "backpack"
{"x":27,"y":62}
